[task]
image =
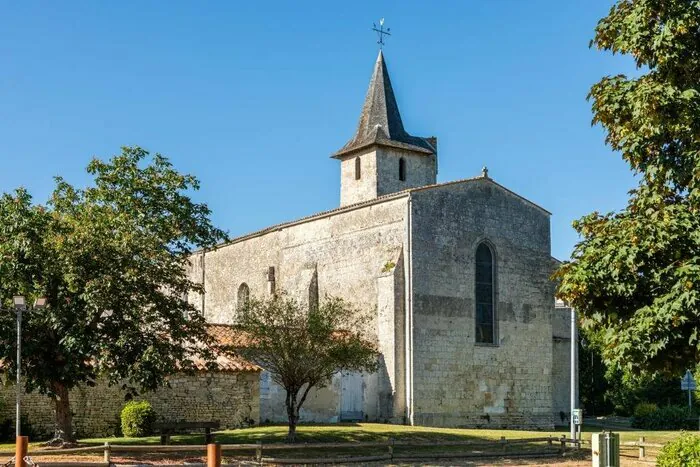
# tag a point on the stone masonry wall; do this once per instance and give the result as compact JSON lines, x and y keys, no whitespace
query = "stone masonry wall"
{"x":231,"y":398}
{"x":352,"y":190}
{"x":421,"y":170}
{"x":345,"y":253}
{"x":458,"y":382}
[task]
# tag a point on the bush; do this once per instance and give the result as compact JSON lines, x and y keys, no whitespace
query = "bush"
{"x":137,"y":419}
{"x":671,"y":417}
{"x":644,"y":409}
{"x":681,"y":452}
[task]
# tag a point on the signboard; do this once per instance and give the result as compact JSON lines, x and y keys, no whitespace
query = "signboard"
{"x":688,"y":382}
{"x":577,"y":416}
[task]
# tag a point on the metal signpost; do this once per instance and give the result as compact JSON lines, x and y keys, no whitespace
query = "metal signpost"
{"x":577,"y":418}
{"x":688,"y":384}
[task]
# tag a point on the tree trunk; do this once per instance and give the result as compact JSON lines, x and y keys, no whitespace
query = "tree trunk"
{"x":292,"y":416}
{"x":64,"y":417}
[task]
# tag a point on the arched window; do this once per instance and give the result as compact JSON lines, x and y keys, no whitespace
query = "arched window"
{"x":243,"y":296}
{"x":484,"y":295}
{"x":402,"y":169}
{"x":358,"y":168}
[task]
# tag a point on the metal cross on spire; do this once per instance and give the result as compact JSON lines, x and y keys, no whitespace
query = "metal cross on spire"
{"x":381,"y":32}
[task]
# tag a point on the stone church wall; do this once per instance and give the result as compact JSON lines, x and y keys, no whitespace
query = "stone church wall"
{"x":230,"y":398}
{"x":355,"y":254}
{"x":458,"y":382}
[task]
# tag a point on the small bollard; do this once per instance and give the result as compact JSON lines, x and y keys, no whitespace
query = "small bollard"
{"x":213,"y":455}
{"x":107,"y":454}
{"x":642,"y":450}
{"x":22,"y":442}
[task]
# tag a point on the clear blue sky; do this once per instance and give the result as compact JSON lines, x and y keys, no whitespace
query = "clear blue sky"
{"x":253,"y":97}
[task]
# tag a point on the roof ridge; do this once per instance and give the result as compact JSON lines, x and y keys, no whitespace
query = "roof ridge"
{"x":362,"y":204}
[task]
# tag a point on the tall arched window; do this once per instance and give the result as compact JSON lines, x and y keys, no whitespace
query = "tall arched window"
{"x":358,"y":168}
{"x":243,"y":296}
{"x":402,"y":169}
{"x":484,"y":295}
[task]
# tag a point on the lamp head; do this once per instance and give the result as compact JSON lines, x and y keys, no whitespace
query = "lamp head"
{"x":20,"y":302}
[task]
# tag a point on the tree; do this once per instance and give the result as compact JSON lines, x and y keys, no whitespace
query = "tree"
{"x":635,"y":274}
{"x":303,"y":347}
{"x":111,"y":259}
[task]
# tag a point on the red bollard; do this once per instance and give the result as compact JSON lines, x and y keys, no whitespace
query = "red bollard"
{"x":213,"y":455}
{"x":22,"y":443}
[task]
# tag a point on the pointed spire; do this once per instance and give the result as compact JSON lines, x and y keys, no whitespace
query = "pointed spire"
{"x":380,"y":120}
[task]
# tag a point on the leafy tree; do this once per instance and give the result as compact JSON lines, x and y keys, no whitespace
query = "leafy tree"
{"x":111,"y":259}
{"x":303,"y":347}
{"x":635,"y":275}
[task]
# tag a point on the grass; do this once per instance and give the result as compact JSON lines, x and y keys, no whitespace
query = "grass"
{"x":359,"y":432}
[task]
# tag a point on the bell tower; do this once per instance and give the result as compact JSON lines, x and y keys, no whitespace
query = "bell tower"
{"x":382,"y":158}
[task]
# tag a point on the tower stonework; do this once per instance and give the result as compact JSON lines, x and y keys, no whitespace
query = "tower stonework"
{"x":382,"y":158}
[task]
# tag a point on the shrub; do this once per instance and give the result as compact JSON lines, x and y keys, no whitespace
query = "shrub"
{"x":137,"y":419}
{"x":681,"y":452}
{"x":670,"y":417}
{"x":644,"y":409}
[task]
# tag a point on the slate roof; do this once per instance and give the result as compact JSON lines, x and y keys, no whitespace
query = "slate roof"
{"x":380,"y":120}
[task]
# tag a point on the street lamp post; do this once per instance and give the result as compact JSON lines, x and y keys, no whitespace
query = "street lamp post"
{"x":21,"y":306}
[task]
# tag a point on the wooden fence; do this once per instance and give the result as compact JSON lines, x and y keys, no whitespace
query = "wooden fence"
{"x":474,"y":449}
{"x":643,"y":446}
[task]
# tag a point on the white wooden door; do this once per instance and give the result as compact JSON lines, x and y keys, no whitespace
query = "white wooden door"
{"x":352,"y":397}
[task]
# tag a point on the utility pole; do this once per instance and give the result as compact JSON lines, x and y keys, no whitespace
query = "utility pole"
{"x":574,"y":345}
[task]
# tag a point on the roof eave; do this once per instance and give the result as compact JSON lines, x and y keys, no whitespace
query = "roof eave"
{"x":387,"y":143}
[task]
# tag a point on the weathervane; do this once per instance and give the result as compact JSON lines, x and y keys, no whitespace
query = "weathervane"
{"x":381,"y":32}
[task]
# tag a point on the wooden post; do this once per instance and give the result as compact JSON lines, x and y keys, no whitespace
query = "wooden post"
{"x":391,"y":448}
{"x":259,"y":453}
{"x":107,"y":454}
{"x":22,"y":442}
{"x":642,"y":450}
{"x":503,"y":443}
{"x":549,"y":441}
{"x":213,"y":455}
{"x":563,"y":443}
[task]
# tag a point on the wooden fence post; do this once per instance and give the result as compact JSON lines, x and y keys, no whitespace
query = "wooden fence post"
{"x":642,"y":450}
{"x":391,"y":448}
{"x":563,"y":443}
{"x":107,"y":454}
{"x":503,"y":444}
{"x":213,"y":455}
{"x":259,"y":453}
{"x":549,"y":441}
{"x":21,"y":445}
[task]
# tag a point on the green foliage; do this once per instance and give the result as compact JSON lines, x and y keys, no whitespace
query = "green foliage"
{"x":644,"y":409}
{"x":137,"y":419}
{"x":111,"y":259}
{"x":303,"y":347}
{"x":681,"y":452}
{"x":635,"y":275}
{"x":670,"y":417}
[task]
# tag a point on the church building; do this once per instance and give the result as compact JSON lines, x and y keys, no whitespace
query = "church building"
{"x":455,"y":274}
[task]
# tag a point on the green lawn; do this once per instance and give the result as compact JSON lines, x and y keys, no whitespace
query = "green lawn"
{"x":356,"y":432}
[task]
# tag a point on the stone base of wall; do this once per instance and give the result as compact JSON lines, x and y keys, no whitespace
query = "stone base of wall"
{"x":232,"y":399}
{"x":492,"y":421}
